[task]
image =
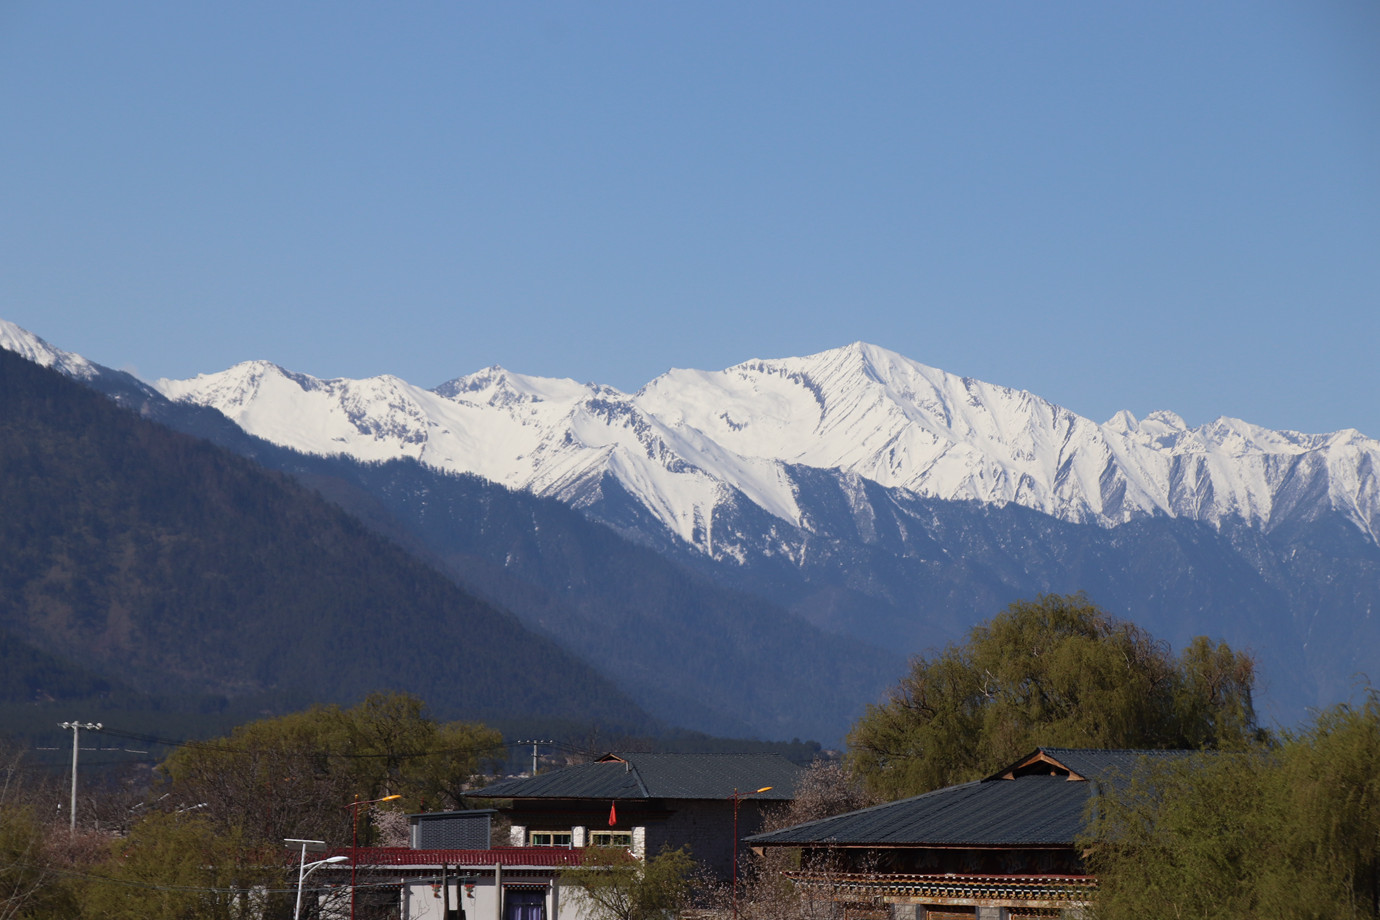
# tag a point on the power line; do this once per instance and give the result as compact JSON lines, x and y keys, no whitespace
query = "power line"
{"x":217,"y":747}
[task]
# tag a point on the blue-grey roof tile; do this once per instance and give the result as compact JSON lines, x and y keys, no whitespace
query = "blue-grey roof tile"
{"x":659,"y":776}
{"x":1030,"y":810}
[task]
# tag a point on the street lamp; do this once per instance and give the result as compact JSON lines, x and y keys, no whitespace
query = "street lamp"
{"x":738,"y":797}
{"x":354,"y":844}
{"x":305,"y":868}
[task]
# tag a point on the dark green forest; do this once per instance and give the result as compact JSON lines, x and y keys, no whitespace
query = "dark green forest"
{"x":137,"y":560}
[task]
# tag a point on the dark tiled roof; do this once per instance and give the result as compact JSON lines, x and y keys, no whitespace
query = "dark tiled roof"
{"x":1030,"y":810}
{"x":658,"y":776}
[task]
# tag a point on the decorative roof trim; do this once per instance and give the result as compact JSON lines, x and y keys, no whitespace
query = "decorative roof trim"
{"x":1041,"y":891}
{"x":1040,"y":756}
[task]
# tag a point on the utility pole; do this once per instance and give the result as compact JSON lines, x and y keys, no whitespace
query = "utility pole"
{"x":534,"y":752}
{"x":75,"y":727}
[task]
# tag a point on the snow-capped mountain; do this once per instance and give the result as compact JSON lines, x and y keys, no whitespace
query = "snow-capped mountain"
{"x":27,"y":345}
{"x":691,"y":444}
{"x":860,"y":496}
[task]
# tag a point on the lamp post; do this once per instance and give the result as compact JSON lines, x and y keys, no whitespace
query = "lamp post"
{"x":354,"y":842}
{"x":737,"y":798}
{"x":305,"y":868}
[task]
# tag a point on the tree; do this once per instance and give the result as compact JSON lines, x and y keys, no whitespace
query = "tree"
{"x":293,"y":776}
{"x":825,"y":789}
{"x":1055,"y":672}
{"x":1291,"y":831}
{"x":30,"y":885}
{"x":616,"y":886}
{"x":31,"y":857}
{"x":184,"y":867}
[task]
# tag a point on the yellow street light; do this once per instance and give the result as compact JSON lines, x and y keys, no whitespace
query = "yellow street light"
{"x":738,"y":797}
{"x":354,"y":844}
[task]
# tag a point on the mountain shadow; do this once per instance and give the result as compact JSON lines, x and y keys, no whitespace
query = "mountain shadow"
{"x":148,"y":559}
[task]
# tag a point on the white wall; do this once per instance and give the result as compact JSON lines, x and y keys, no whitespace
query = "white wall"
{"x":419,"y":904}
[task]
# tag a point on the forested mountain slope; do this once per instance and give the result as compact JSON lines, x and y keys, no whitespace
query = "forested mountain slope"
{"x":164,"y":562}
{"x":691,"y":651}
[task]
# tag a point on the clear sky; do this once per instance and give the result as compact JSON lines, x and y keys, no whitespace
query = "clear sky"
{"x":1137,"y":206}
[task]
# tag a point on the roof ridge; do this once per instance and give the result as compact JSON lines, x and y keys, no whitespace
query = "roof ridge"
{"x":1075,"y":750}
{"x":637,"y":776}
{"x":627,"y":754}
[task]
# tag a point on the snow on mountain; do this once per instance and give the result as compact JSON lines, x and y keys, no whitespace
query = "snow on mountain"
{"x":27,"y":345}
{"x":690,"y":440}
{"x":690,"y":444}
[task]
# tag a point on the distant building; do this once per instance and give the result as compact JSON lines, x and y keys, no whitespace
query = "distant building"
{"x":1001,"y":848}
{"x":644,"y":802}
{"x":450,"y":872}
{"x":503,"y":883}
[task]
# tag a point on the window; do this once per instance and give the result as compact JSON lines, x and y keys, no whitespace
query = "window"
{"x":548,"y":839}
{"x":524,"y":904}
{"x":610,"y":839}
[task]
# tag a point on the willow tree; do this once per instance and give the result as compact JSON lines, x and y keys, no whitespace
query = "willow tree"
{"x":1290,"y":831}
{"x":1054,"y":672}
{"x":294,"y":776}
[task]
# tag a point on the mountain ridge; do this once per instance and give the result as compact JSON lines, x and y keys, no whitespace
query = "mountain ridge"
{"x":749,"y":666}
{"x":178,"y":567}
{"x":1265,"y":539}
{"x":686,"y":439}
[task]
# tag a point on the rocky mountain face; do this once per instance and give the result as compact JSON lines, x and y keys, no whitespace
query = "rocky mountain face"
{"x":699,"y":655}
{"x":875,"y":498}
{"x":691,"y":445}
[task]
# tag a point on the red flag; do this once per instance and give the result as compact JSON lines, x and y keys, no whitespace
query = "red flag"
{"x":613,"y":814}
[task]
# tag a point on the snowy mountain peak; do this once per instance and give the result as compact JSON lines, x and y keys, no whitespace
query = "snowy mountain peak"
{"x":695,"y":449}
{"x":688,"y":442}
{"x":495,"y":385}
{"x":27,"y":345}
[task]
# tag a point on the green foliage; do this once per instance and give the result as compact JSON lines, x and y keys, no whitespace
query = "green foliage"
{"x":1289,"y":832}
{"x":215,"y":849}
{"x":1212,"y":696}
{"x":615,"y":886}
{"x":183,"y":867}
{"x":1055,"y":672}
{"x":295,"y":776}
{"x":29,"y":884}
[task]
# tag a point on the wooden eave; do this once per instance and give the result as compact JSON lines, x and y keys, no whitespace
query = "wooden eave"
{"x":1024,"y":768}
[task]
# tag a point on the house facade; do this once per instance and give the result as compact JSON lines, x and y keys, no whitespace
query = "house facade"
{"x":1002,"y":848}
{"x":501,"y":883}
{"x":647,"y":802}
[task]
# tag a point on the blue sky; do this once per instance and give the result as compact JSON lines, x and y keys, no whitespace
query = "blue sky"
{"x":1113,"y":205}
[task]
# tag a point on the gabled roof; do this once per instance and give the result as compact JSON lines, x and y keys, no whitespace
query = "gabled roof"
{"x":658,"y":776}
{"x":1084,"y":763}
{"x":1039,"y":801}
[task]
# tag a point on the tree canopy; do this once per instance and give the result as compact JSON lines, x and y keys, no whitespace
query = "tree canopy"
{"x":1054,"y":672}
{"x":1288,"y":832}
{"x":295,"y":775}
